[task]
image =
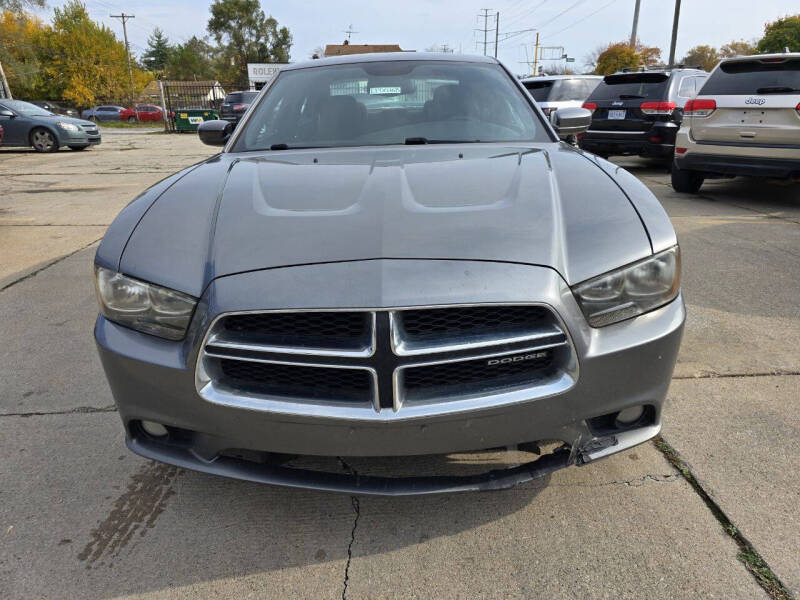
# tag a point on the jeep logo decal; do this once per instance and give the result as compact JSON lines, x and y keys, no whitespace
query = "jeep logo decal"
{"x":513,"y":359}
{"x":755,"y":100}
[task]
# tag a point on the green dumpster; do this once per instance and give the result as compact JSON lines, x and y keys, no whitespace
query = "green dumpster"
{"x":187,"y":119}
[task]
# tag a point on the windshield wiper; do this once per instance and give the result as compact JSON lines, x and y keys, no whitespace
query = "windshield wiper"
{"x":414,"y":141}
{"x":776,"y":89}
{"x":629,"y":96}
{"x":288,"y":147}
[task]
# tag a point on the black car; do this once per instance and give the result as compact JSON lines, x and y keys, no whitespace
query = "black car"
{"x":55,"y":108}
{"x":235,"y":105}
{"x":639,"y":112}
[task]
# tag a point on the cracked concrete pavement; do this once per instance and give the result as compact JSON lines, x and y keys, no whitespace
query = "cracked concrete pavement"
{"x":80,"y":517}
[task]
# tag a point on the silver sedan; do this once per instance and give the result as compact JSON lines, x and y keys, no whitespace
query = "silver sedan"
{"x":393,"y":255}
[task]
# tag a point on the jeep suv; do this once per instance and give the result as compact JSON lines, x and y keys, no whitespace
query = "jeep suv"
{"x":639,"y":112}
{"x":744,"y":121}
{"x":235,"y":105}
{"x":552,"y":92}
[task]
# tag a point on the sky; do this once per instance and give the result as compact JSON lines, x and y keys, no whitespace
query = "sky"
{"x":579,"y":26}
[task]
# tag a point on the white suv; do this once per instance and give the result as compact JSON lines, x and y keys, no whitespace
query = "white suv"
{"x":745,"y":120}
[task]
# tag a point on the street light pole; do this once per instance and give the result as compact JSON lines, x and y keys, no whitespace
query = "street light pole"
{"x":675,"y":20}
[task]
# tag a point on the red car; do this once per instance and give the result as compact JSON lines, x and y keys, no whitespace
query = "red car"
{"x":144,"y":113}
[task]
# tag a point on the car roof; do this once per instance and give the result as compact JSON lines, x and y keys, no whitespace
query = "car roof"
{"x":665,"y":71}
{"x":746,"y":57}
{"x":389,"y":56}
{"x":556,"y":77}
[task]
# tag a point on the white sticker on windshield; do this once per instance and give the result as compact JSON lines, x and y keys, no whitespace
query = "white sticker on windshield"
{"x":385,"y":90}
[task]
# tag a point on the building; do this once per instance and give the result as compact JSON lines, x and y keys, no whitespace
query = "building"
{"x":347,"y":48}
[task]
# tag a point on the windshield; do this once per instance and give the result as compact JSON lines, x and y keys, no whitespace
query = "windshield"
{"x":631,"y":86}
{"x":392,"y":102}
{"x":572,"y":89}
{"x":25,"y":108}
{"x":739,"y":78}
{"x":540,"y":90}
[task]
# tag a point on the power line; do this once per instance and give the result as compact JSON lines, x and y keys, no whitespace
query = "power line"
{"x":582,"y":19}
{"x":526,"y":13}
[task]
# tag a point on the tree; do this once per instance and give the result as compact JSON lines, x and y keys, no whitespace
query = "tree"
{"x":192,"y":60}
{"x":17,"y":6}
{"x":780,"y":34}
{"x":738,"y":48}
{"x":650,"y":55}
{"x":17,"y":52}
{"x":247,"y":35}
{"x":82,"y":61}
{"x":706,"y":57}
{"x":158,"y":49}
{"x":616,"y":57}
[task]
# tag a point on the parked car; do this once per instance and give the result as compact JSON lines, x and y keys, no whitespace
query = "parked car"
{"x":2,"y":131}
{"x":104,"y":112}
{"x":56,"y":108}
{"x":345,"y":281}
{"x":235,"y":105}
{"x":26,"y":124}
{"x":640,"y":112}
{"x":144,"y":113}
{"x":552,"y":92}
{"x":744,"y":121}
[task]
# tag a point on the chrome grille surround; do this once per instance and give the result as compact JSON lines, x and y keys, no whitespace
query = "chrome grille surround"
{"x":388,"y":357}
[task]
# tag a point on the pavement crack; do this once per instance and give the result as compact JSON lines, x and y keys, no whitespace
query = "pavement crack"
{"x":357,"y":510}
{"x":748,"y":555}
{"x":777,"y":373}
{"x":48,"y":265}
{"x":72,"y":411}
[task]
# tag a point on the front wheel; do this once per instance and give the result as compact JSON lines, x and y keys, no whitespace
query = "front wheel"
{"x":43,"y":141}
{"x":686,"y":181}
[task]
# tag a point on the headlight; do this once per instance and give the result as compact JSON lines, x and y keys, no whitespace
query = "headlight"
{"x":143,"y":306}
{"x":632,"y":290}
{"x":67,"y":126}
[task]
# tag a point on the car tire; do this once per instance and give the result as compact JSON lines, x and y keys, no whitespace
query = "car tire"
{"x":685,"y":181}
{"x":43,"y":140}
{"x":78,"y":148}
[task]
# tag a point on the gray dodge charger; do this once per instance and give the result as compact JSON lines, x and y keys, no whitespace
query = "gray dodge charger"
{"x":393,"y":255}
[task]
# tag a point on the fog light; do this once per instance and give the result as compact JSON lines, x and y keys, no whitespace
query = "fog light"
{"x":158,"y":430}
{"x":630,"y":415}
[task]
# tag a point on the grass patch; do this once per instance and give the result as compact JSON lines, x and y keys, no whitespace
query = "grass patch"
{"x":126,"y":125}
{"x":757,"y":566}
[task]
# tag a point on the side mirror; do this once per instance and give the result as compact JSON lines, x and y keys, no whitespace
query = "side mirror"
{"x":4,"y":112}
{"x":215,"y":133}
{"x":570,"y":121}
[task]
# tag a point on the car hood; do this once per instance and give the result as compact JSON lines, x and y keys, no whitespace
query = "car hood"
{"x":545,"y":205}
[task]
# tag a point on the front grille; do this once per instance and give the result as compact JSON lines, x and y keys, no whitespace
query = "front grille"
{"x":398,"y":359}
{"x":476,"y":376}
{"x":335,"y":331}
{"x":420,"y":325}
{"x":282,"y":380}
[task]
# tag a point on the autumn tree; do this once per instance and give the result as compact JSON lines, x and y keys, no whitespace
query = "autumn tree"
{"x":649,"y":55}
{"x":780,"y":34}
{"x":17,"y":53}
{"x":81,"y":61}
{"x":706,"y":57}
{"x":738,"y":48}
{"x":616,"y":57}
{"x":247,"y":35}
{"x":18,"y":6}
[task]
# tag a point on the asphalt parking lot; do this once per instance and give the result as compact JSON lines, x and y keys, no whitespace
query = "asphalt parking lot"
{"x":81,"y":517}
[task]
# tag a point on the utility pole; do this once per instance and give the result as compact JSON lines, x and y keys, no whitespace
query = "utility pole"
{"x":536,"y":57}
{"x":635,"y":23}
{"x":675,"y":20}
{"x":486,"y":13}
{"x":124,"y":18}
{"x":496,"y":31}
{"x":4,"y":82}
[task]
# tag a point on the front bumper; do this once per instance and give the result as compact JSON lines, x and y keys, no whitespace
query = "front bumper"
{"x":620,"y":366}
